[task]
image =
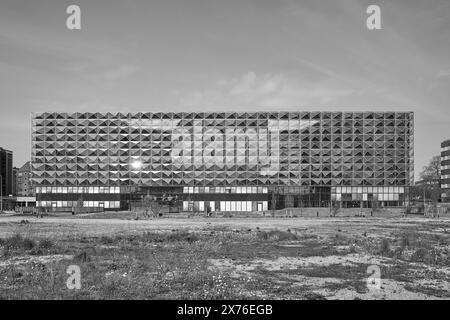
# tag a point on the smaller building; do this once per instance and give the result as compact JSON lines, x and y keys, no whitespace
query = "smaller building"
{"x":445,"y":170}
{"x":24,"y":204}
{"x":15,"y":187}
{"x":24,"y":188}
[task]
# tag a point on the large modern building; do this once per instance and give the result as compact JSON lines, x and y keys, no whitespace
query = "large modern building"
{"x":445,"y":170}
{"x":224,"y":161}
{"x":14,"y":181}
{"x":6,"y":171}
{"x":6,"y":174}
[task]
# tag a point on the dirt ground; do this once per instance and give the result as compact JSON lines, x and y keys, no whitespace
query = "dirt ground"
{"x":89,"y":225}
{"x":285,"y":258}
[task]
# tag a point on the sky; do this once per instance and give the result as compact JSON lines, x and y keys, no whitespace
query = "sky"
{"x":225,"y":55}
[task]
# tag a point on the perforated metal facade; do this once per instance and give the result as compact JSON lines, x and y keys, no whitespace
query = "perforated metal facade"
{"x":341,"y":155}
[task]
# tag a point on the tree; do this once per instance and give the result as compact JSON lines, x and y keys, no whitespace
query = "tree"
{"x":375,"y":204}
{"x":334,"y":208}
{"x":151,"y":206}
{"x":431,"y":175}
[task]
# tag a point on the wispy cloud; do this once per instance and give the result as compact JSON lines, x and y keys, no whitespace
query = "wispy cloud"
{"x":102,"y":72}
{"x":120,"y":72}
{"x":265,"y":90}
{"x":444,"y":73}
{"x":81,"y":105}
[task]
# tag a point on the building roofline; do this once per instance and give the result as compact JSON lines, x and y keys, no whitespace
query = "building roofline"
{"x":6,"y":150}
{"x":445,"y":143}
{"x":224,"y":111}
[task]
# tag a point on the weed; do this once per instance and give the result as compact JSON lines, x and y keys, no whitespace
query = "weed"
{"x":176,"y":236}
{"x":313,"y":296}
{"x":106,"y":240}
{"x":385,"y":248}
{"x":428,"y":256}
{"x":46,"y":244}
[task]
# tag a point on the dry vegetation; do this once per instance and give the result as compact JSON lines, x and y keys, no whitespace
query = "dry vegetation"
{"x":225,"y":259}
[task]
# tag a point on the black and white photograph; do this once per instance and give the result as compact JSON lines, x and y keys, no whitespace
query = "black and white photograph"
{"x":224,"y":154}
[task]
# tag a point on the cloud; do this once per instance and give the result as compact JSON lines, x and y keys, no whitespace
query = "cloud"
{"x":443,"y":74}
{"x":266,"y":90}
{"x":44,"y":105}
{"x":120,"y":72}
{"x":251,"y":87}
{"x":102,"y":72}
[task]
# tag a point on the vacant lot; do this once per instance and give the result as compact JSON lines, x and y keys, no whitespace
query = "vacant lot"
{"x":224,"y":258}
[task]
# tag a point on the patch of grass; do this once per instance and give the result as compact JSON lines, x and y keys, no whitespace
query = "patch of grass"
{"x":421,"y":246}
{"x":106,"y":240}
{"x":352,"y":276}
{"x":340,"y":239}
{"x":17,"y":242}
{"x":182,"y":236}
{"x":428,"y":256}
{"x":313,"y":296}
{"x":176,"y":236}
{"x":175,"y":264}
{"x":405,"y":241}
{"x":333,"y":271}
{"x":46,"y":244}
{"x":277,"y":235}
{"x":398,"y":271}
{"x":429,"y":291}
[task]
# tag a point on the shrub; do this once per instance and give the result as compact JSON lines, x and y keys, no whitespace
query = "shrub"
{"x":405,"y":242}
{"x":46,"y":244}
{"x":28,"y":244}
{"x":429,"y":256}
{"x":277,"y":235}
{"x":385,"y":248}
{"x":106,"y":240}
{"x":175,"y":236}
{"x":409,"y":239}
{"x":442,"y":241}
{"x":420,"y":255}
{"x":182,"y":236}
{"x":17,"y":242}
{"x":82,"y":257}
